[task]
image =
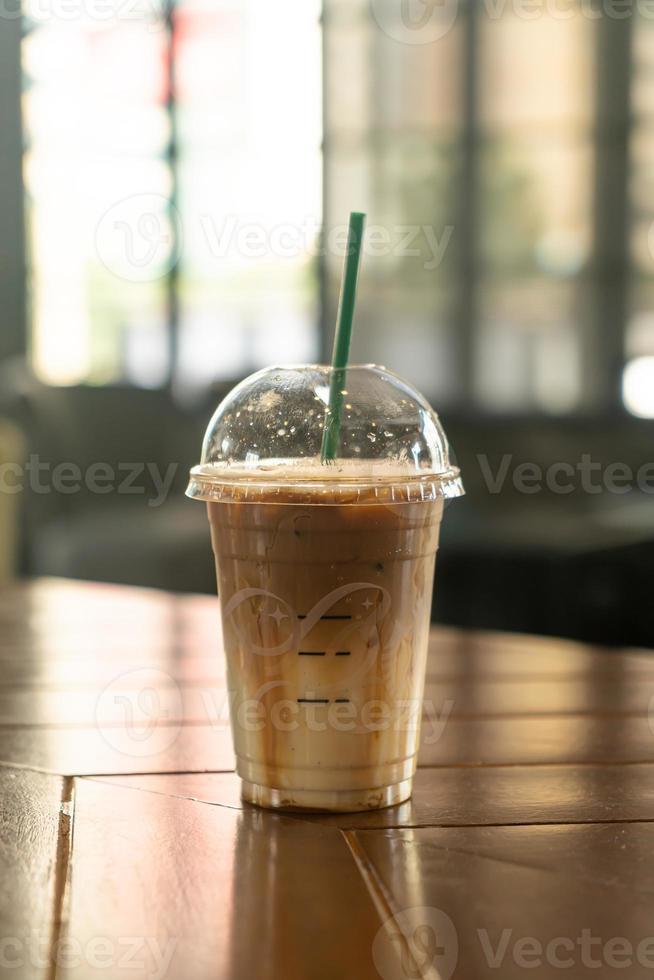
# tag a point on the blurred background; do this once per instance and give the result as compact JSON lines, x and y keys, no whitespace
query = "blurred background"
{"x":174,"y":182}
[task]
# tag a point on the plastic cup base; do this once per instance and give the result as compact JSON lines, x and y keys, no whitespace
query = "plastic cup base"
{"x":326,"y":801}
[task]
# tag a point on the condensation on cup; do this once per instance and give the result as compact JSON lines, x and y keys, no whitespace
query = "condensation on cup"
{"x":325,"y":575}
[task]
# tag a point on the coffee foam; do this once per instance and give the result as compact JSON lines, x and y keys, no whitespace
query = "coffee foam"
{"x":314,"y":482}
{"x":313,"y":470}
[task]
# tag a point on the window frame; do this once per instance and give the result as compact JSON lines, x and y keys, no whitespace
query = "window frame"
{"x":13,"y":266}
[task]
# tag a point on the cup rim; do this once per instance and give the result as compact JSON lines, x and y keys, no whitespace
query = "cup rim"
{"x":212,"y":484}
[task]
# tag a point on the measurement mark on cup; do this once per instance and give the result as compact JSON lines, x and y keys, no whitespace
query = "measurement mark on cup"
{"x":322,"y":653}
{"x":322,"y":700}
{"x":303,"y":616}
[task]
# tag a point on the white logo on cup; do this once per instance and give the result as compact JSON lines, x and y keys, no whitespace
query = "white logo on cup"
{"x":415,"y":21}
{"x":369,"y":614}
{"x":139,"y":238}
{"x":299,"y":628}
{"x":139,"y":713}
{"x":416,"y":943}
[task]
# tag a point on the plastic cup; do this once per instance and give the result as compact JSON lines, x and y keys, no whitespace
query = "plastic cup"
{"x":325,"y":575}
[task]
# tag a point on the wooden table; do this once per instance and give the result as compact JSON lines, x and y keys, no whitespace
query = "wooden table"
{"x":527,"y":850}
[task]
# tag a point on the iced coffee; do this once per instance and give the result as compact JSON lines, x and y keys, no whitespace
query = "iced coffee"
{"x":325,"y":576}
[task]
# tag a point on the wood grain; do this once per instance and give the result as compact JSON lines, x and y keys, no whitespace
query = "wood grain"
{"x":593,"y":694}
{"x":532,"y":814}
{"x":462,"y":654}
{"x":214,"y":893}
{"x":30,"y":826}
{"x":464,"y":797}
{"x":86,"y":751}
{"x":535,"y":741}
{"x":121,"y":671}
{"x":205,"y":701}
{"x":483,"y":890}
{"x":111,"y":749}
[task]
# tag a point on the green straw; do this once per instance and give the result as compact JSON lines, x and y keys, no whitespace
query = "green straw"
{"x":332,"y":431}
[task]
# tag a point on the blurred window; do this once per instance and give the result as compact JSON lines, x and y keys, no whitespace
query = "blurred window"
{"x":504,"y":152}
{"x":501,"y":132}
{"x":638,"y":380}
{"x":172,"y":157}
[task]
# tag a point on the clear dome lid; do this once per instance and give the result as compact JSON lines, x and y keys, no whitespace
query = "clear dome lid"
{"x":266,"y":437}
